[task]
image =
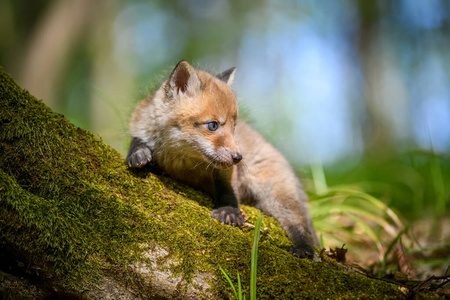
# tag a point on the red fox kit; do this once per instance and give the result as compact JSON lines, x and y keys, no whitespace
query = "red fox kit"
{"x":189,"y":129}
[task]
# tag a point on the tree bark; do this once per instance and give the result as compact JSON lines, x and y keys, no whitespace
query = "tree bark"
{"x":75,"y":222}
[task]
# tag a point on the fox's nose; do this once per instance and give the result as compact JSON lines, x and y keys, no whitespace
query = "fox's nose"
{"x":237,"y":157}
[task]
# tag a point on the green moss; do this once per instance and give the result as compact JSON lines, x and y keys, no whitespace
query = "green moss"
{"x":69,"y":204}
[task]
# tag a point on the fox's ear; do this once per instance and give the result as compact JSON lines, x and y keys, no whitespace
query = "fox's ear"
{"x":184,"y":79}
{"x":227,"y":76}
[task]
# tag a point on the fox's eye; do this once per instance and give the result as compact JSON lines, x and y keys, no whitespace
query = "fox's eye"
{"x":212,"y":126}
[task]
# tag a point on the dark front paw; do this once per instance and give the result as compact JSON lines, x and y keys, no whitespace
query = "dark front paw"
{"x":139,"y":154}
{"x":228,"y":215}
{"x":139,"y":158}
{"x":303,"y":249}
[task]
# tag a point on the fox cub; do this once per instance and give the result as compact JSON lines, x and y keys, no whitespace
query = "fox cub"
{"x":190,"y":129}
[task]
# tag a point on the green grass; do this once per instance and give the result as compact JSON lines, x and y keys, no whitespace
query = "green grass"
{"x":370,"y":207}
{"x":415,"y":183}
{"x":253,"y":271}
{"x":254,"y":259}
{"x":345,"y":210}
{"x":237,"y":295}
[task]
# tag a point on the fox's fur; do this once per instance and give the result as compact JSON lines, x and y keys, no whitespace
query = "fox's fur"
{"x":189,"y":129}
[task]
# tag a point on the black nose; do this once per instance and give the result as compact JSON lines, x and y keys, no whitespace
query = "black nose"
{"x":237,"y":157}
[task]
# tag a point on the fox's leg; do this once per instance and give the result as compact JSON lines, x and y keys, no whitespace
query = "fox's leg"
{"x":296,"y":221}
{"x":278,"y":193}
{"x":139,"y":154}
{"x":227,"y":211}
{"x":288,"y":209}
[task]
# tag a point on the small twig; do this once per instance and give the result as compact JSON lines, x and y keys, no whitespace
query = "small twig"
{"x":426,"y":282}
{"x":442,"y":284}
{"x":445,"y":278}
{"x":261,"y":230}
{"x":441,"y":277}
{"x":374,"y":277}
{"x":248,"y":225}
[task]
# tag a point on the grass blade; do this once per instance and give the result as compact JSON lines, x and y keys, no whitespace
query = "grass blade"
{"x":239,"y":286}
{"x":254,"y":259}
{"x":229,"y":281}
{"x":370,"y":233}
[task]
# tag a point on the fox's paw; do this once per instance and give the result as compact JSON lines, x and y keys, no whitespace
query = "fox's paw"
{"x":303,"y":249}
{"x":228,"y":215}
{"x":139,"y":154}
{"x":139,"y":158}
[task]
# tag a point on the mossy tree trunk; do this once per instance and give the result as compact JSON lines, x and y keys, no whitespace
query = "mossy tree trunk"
{"x":75,"y":221}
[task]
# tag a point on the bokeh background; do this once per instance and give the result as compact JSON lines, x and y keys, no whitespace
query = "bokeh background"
{"x":355,"y":93}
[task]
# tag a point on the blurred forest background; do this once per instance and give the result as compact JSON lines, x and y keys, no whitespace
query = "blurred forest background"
{"x":355,"y":93}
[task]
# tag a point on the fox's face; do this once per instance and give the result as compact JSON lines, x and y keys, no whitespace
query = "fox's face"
{"x":206,"y":113}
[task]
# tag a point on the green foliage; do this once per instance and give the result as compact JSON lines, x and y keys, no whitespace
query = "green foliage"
{"x":344,"y":210}
{"x":407,"y":187}
{"x":373,"y":206}
{"x":415,"y":183}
